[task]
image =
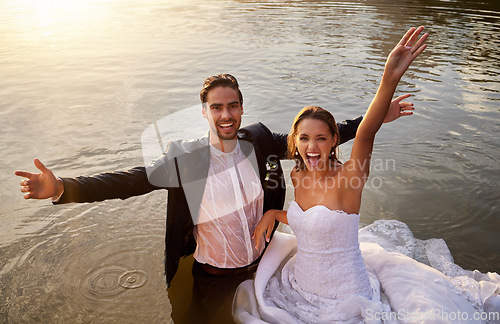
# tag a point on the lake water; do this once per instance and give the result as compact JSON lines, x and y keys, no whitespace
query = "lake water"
{"x":81,"y":80}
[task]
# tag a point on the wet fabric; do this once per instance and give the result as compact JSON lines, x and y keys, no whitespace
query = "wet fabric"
{"x":230,"y":210}
{"x":403,"y":289}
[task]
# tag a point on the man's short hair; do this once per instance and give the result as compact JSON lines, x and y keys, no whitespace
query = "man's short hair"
{"x":221,"y":80}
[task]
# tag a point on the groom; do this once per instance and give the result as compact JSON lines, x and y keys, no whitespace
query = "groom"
{"x":219,"y":186}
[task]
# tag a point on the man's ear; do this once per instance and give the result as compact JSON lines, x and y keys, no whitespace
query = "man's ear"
{"x":242,"y":110}
{"x":204,"y":110}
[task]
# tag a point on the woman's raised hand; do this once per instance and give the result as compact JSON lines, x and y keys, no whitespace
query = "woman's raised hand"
{"x":404,"y":53}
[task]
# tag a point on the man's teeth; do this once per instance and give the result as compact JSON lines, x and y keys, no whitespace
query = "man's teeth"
{"x":226,"y":125}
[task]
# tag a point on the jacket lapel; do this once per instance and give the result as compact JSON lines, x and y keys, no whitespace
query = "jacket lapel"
{"x":193,"y":171}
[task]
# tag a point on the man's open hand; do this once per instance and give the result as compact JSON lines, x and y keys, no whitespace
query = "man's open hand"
{"x":40,"y":185}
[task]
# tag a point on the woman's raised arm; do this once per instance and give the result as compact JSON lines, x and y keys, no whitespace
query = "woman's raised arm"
{"x":400,"y":58}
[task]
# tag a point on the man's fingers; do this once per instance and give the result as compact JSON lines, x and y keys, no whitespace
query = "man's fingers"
{"x":402,"y":97}
{"x":23,"y":174}
{"x":407,"y":107}
{"x":406,"y":103}
{"x":39,"y":165}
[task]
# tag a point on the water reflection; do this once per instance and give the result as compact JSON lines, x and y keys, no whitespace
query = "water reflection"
{"x":86,"y":266}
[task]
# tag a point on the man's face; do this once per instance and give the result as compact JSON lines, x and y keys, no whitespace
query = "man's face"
{"x":223,"y":112}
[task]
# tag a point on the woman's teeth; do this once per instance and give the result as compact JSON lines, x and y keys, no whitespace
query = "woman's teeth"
{"x":313,"y":159}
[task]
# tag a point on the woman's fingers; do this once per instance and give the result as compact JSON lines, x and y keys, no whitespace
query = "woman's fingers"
{"x":420,"y":42}
{"x":419,"y":50}
{"x":414,"y":36}
{"x":268,"y":233}
{"x":258,"y":232}
{"x":419,"y":46}
{"x":406,"y":36}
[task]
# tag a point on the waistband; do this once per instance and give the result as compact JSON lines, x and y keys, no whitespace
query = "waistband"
{"x":229,"y":271}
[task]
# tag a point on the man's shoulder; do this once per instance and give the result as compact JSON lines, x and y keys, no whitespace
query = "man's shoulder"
{"x":259,"y":135}
{"x":254,"y":131}
{"x":178,"y":147}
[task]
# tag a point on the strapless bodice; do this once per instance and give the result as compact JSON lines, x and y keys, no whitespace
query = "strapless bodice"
{"x":322,"y":230}
{"x":328,"y":260}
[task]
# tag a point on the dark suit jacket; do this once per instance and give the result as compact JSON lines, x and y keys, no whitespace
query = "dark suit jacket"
{"x":183,"y":169}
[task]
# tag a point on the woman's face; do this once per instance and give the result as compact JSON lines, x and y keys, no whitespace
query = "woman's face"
{"x":314,"y":142}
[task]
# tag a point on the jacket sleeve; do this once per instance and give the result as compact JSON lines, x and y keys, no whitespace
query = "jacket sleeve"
{"x":281,"y":140}
{"x":110,"y":185}
{"x":348,"y":128}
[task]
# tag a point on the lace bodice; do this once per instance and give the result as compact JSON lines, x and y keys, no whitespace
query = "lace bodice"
{"x":328,"y":261}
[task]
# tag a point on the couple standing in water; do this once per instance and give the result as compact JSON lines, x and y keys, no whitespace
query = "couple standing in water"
{"x":226,"y":193}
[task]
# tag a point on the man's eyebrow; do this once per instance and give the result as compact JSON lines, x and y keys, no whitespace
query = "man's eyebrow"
{"x":219,"y":104}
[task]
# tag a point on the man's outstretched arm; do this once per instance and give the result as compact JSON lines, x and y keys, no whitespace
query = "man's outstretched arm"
{"x":111,"y":185}
{"x":397,"y":108}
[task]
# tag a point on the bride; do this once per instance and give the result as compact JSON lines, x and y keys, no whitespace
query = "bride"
{"x":320,"y":275}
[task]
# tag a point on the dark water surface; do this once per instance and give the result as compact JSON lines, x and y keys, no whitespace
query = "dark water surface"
{"x":81,"y":80}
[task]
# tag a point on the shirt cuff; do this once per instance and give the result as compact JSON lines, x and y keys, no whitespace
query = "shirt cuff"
{"x":59,"y":197}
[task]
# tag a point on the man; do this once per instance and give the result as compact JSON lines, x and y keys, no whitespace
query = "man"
{"x":218,"y":186}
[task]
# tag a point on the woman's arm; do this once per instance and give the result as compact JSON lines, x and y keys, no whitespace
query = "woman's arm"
{"x":397,"y":63}
{"x":266,"y":224}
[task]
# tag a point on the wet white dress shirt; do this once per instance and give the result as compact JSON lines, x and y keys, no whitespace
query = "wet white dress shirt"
{"x":230,"y":210}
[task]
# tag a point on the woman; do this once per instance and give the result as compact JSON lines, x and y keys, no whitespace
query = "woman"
{"x":326,"y":280}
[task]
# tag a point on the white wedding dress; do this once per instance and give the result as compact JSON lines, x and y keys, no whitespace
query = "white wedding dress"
{"x":322,"y":274}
